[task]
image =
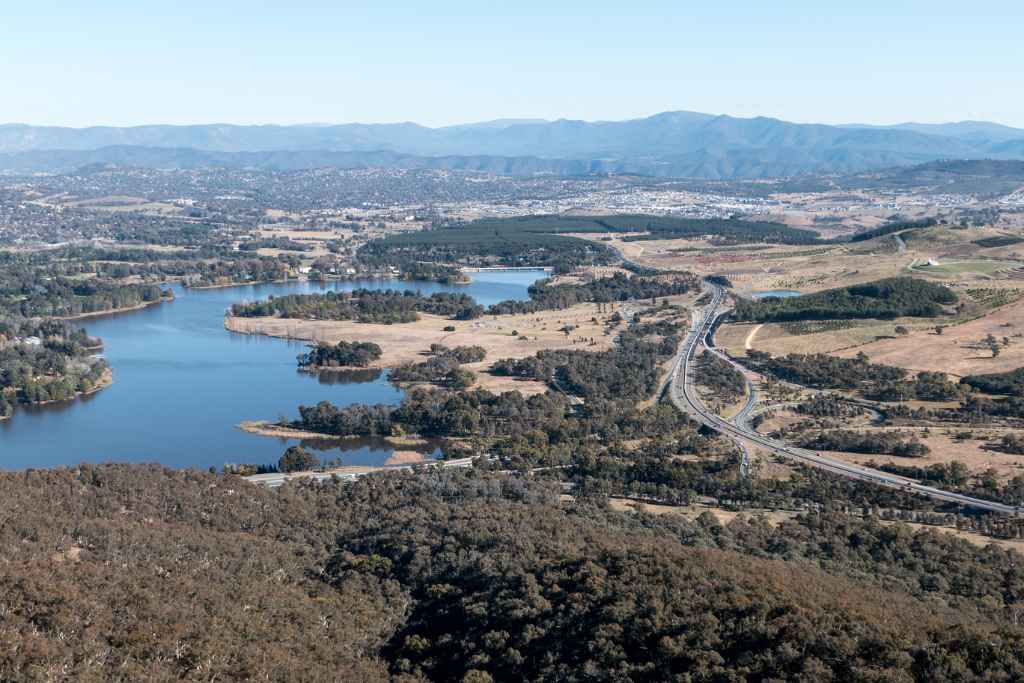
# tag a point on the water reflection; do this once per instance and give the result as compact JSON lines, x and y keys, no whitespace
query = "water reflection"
{"x":182,"y":384}
{"x":349,"y":376}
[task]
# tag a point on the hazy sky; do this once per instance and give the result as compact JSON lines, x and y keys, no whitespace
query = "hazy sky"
{"x":136,"y":62}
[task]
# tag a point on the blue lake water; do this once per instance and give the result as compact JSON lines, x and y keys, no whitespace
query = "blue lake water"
{"x":182,"y":383}
{"x":782,"y":293}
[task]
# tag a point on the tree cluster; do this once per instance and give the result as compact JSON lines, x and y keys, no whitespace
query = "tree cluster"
{"x":880,"y":442}
{"x":720,"y":376}
{"x":519,"y":242}
{"x":363,"y":305}
{"x":545,"y":296}
{"x":343,"y":354}
{"x":442,"y":368}
{"x":884,"y":299}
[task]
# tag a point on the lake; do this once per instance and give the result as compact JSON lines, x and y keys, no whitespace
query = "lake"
{"x":182,"y":383}
{"x":781,"y":293}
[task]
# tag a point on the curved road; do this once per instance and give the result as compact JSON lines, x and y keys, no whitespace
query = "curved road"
{"x":685,"y":398}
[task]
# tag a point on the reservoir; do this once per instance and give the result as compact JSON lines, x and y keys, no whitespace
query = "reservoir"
{"x":780,"y":293}
{"x":182,"y":383}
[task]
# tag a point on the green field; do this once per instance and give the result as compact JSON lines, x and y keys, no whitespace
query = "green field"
{"x":982,"y":267}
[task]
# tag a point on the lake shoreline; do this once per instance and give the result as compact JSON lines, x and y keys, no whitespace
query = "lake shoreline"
{"x":105,"y":380}
{"x":229,"y":285}
{"x":582,"y":326}
{"x":115,"y":311}
{"x":211,"y":380}
{"x":271,"y":429}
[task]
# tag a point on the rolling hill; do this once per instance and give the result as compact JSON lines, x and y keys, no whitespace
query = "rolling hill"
{"x":682,"y":144}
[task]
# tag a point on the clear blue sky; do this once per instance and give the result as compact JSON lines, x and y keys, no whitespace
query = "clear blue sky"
{"x":436,"y":63}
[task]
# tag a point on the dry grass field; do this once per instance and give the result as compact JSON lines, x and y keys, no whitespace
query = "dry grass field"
{"x":507,"y":336}
{"x":738,"y":338}
{"x":945,"y":449}
{"x":978,"y":453}
{"x":957,"y":351}
{"x":777,"y":517}
{"x":753,"y":268}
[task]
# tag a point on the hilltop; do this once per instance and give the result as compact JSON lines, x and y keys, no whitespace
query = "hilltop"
{"x":680,"y":144}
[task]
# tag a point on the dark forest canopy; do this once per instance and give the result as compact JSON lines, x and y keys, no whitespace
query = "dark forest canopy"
{"x":894,"y":227}
{"x":117,"y":572}
{"x":853,"y":441}
{"x":282,"y":243}
{"x":539,"y":240}
{"x":883,"y":299}
{"x":822,"y":371}
{"x":619,"y":287}
{"x":721,"y":230}
{"x":1010,"y":383}
{"x":363,"y":305}
{"x":999,"y":241}
{"x":519,"y":242}
{"x":662,"y":227}
{"x":720,"y":376}
{"x":875,"y":381}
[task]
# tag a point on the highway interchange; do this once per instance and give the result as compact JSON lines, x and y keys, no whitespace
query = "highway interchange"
{"x":684,"y":396}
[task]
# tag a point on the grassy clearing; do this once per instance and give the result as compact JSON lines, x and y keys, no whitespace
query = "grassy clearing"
{"x":954,"y":268}
{"x":506,"y":336}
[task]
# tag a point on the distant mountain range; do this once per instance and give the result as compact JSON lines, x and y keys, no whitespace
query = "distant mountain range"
{"x":681,"y":144}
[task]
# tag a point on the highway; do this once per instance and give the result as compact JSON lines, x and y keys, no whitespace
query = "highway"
{"x":684,"y":396}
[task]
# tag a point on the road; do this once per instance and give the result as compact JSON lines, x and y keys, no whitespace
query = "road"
{"x":276,"y":479}
{"x":684,"y":396}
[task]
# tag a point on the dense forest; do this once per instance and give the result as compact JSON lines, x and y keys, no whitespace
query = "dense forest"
{"x":619,"y":287}
{"x":822,"y":371}
{"x":999,"y":241}
{"x":524,"y":241}
{"x":535,"y":240}
{"x":894,"y":227}
{"x":117,"y":572}
{"x":1009,"y":383}
{"x":720,"y":230}
{"x":363,"y":305}
{"x":719,"y":376}
{"x":925,"y":386}
{"x":883,"y":299}
{"x":852,"y":441}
